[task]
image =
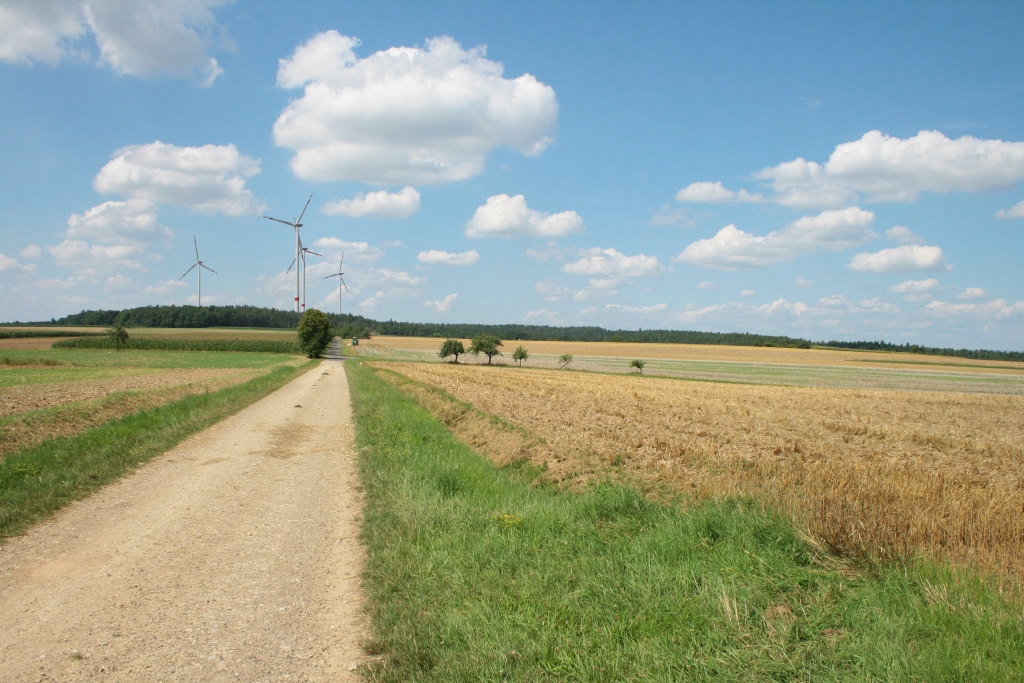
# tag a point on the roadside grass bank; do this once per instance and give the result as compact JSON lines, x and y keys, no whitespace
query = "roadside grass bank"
{"x":48,"y":361}
{"x":37,"y":481}
{"x":171,"y":343}
{"x":475,"y":574}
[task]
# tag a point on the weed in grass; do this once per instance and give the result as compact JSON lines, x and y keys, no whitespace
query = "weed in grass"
{"x":604,"y":585}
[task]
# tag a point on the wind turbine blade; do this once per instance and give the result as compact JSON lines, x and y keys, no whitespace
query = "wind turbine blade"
{"x":326,"y":277}
{"x":290,"y":267}
{"x":208,"y":268}
{"x":343,"y":281}
{"x":280,"y":221}
{"x":298,"y":223}
{"x":314,"y":253}
{"x":196,"y":245}
{"x":342,"y":260}
{"x":189,"y":270}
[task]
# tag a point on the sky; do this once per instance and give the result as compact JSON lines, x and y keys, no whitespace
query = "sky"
{"x":827,"y":171}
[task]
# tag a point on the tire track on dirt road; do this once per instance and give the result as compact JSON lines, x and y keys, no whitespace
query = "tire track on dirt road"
{"x":233,"y":557}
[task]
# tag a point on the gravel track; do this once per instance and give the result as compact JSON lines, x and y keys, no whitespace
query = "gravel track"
{"x":233,"y":557}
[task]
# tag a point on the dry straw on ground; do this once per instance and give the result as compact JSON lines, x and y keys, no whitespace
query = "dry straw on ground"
{"x":882,"y":473}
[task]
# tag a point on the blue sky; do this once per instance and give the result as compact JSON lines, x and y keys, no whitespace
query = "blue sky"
{"x":810,"y":169}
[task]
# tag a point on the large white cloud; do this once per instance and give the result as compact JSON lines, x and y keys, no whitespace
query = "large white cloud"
{"x":435,"y":257}
{"x":504,"y":216}
{"x":170,"y":37}
{"x":406,"y":115}
{"x":129,"y":222}
{"x":442,"y":305}
{"x":996,"y":309}
{"x":80,"y":254}
{"x":882,"y":168}
{"x":733,"y":248}
{"x":613,"y":263}
{"x":355,"y":252}
{"x":209,"y":179}
{"x":905,"y":259}
{"x":380,"y":204}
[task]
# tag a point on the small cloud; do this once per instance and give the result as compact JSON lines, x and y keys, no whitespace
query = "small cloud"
{"x":444,"y":258}
{"x":973,"y":293}
{"x":801,"y":282}
{"x":391,"y":243}
{"x":505,"y":216}
{"x":599,"y":261}
{"x":1015,"y":211}
{"x":747,"y":292}
{"x":903,"y":235}
{"x":544,"y":317}
{"x":443,"y":305}
{"x":666,"y":215}
{"x":380,"y":204}
{"x":903,"y":259}
{"x":549,"y":252}
{"x":708,"y":285}
{"x":916,"y":290}
{"x":715,"y":193}
{"x":31,"y":251}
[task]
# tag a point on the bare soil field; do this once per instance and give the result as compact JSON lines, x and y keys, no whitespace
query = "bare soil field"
{"x":881,"y":473}
{"x":233,"y":557}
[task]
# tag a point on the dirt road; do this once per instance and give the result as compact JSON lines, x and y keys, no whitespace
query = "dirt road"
{"x":232,"y":557}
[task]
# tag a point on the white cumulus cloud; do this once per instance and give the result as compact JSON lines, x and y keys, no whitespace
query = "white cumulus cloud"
{"x":903,"y":235}
{"x":886,"y":168}
{"x":7,"y":263}
{"x":359,"y":252}
{"x":442,"y":305}
{"x":406,"y":115}
{"x":166,"y":38}
{"x":715,"y":193}
{"x":209,"y":179}
{"x":1015,"y":211}
{"x":973,"y":293}
{"x":610,"y":262}
{"x":380,"y":204}
{"x":907,"y":258}
{"x":505,"y":216}
{"x":31,"y":251}
{"x":916,"y":286}
{"x":80,"y":254}
{"x":435,"y":257}
{"x":129,"y":222}
{"x":733,"y":248}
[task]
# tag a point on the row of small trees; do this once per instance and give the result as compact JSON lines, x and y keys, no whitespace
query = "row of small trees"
{"x":488,"y":345}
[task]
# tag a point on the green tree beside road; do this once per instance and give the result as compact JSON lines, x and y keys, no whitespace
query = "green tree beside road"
{"x":315,"y":333}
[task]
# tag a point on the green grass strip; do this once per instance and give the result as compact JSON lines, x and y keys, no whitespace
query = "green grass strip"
{"x":175,"y":344}
{"x":39,"y":480}
{"x":473,"y":574}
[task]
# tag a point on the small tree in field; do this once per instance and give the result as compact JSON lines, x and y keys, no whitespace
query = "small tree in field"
{"x":565,"y":359}
{"x":451,"y":347}
{"x":119,"y":335}
{"x":486,"y":344}
{"x":520,"y":355}
{"x":638,"y":364}
{"x":315,"y":333}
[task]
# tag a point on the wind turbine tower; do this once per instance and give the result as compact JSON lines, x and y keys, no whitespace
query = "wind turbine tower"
{"x":199,"y":272}
{"x":298,"y":247}
{"x":302,"y":253}
{"x":341,"y":280}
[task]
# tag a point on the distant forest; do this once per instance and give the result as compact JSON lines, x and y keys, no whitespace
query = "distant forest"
{"x":349,"y":325}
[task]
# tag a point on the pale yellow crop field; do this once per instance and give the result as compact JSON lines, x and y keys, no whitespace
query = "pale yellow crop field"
{"x":866,"y":472}
{"x":708,"y":352}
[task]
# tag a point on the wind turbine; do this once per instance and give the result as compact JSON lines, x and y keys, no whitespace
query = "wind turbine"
{"x":341,"y":280}
{"x":198,"y":272}
{"x":298,"y":245}
{"x":302,"y":254}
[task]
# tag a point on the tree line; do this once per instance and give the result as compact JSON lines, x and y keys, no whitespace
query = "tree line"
{"x":349,"y":325}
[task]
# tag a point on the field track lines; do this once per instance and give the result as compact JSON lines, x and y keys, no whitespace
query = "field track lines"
{"x":234,"y":556}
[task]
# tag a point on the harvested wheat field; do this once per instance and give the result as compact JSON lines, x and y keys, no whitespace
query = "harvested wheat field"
{"x":880,"y":473}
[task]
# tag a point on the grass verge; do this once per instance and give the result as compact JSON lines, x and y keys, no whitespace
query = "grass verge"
{"x":39,"y":480}
{"x":474,"y":574}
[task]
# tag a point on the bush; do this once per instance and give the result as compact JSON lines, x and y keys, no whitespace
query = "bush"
{"x":638,"y":364}
{"x":565,"y":360}
{"x":315,"y":333}
{"x":119,"y":336}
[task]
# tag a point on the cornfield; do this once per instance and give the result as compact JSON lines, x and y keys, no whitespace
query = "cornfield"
{"x":869,"y":473}
{"x":183,"y":344}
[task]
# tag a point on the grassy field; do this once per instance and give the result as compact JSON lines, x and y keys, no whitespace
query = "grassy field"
{"x":475,"y":574}
{"x":868,"y":473}
{"x":73,"y":419}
